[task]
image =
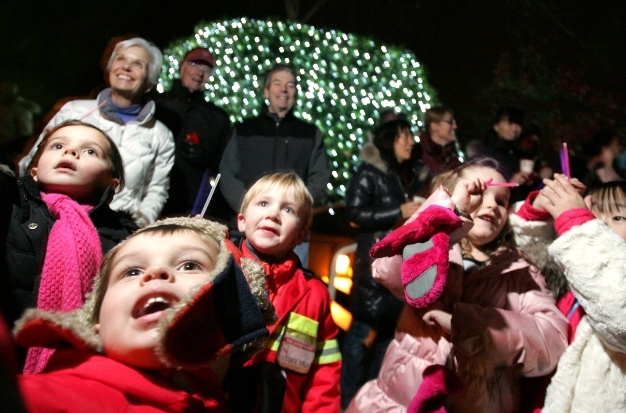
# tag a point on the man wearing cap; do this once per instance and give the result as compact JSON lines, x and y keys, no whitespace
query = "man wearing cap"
{"x":200,"y":129}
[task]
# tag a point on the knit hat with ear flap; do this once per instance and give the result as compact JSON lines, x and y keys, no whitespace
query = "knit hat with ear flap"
{"x":227,"y":313}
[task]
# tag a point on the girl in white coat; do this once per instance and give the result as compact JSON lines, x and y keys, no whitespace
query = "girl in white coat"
{"x":590,"y":375}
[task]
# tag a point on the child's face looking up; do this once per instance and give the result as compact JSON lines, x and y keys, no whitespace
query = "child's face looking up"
{"x":272,"y":223}
{"x":151,"y":273}
{"x":491,"y":216}
{"x":75,"y":162}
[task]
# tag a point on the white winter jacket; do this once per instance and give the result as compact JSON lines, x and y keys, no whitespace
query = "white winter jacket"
{"x":147,"y":149}
{"x":591,"y":375}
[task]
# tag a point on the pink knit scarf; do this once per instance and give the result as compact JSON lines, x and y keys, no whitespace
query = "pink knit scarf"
{"x":73,"y":256}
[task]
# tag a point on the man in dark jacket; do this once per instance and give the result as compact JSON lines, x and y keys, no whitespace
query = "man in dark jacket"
{"x":200,"y":130}
{"x":274,"y":141}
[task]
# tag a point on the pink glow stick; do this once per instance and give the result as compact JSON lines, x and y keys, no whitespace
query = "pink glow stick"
{"x":98,"y":107}
{"x":506,"y":184}
{"x":490,"y":182}
{"x":566,"y":161}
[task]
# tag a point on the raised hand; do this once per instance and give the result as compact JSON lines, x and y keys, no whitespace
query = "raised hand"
{"x":560,"y":195}
{"x":468,"y":194}
{"x":439,"y":318}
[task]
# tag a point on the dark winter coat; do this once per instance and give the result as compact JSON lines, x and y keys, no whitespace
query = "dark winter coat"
{"x":188,"y":113}
{"x":25,"y":224}
{"x":269,"y":144}
{"x":373,"y":201}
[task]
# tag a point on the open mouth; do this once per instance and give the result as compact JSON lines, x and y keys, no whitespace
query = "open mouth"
{"x":124,"y":78}
{"x":151,"y":305}
{"x":66,"y":165}
{"x":488,"y":218}
{"x":269,"y":229}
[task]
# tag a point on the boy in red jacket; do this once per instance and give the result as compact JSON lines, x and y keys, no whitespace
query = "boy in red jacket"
{"x":168,"y":307}
{"x":275,"y":216}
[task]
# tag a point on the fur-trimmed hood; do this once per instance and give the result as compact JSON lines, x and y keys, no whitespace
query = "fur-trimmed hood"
{"x":371,"y":154}
{"x":227,"y":313}
{"x":590,"y":374}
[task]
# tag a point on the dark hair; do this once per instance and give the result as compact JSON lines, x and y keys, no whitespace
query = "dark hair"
{"x":385,"y":136}
{"x":607,"y":196}
{"x":511,"y":113}
{"x":117,"y":165}
{"x":600,"y":139}
{"x":388,"y":115}
{"x":279,"y":68}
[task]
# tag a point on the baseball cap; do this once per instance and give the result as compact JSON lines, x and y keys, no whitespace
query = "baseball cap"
{"x":200,"y":55}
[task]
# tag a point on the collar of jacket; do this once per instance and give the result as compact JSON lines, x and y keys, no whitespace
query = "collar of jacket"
{"x":108,"y":112}
{"x":275,"y":118}
{"x":430,"y":146}
{"x":278,"y":274}
{"x":31,"y":188}
{"x":371,"y":155}
{"x":179,"y":90}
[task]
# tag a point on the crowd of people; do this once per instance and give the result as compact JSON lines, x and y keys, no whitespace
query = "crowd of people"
{"x":484,"y":281}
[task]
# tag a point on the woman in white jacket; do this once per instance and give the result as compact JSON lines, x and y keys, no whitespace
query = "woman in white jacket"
{"x":121,"y":111}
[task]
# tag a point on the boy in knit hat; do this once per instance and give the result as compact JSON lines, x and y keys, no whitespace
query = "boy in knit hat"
{"x":168,"y":307}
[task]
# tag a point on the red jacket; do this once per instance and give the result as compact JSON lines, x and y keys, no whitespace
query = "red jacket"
{"x":302,"y":305}
{"x":76,"y":381}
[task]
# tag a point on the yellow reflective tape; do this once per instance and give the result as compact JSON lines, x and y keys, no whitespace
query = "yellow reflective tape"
{"x":328,"y":352}
{"x":296,"y":322}
{"x":303,"y":324}
{"x":327,"y":345}
{"x":273,"y":342}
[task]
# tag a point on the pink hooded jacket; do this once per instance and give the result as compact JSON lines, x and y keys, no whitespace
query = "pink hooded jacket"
{"x":505,"y":325}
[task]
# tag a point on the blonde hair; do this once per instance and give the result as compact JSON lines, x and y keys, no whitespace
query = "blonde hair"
{"x":285,"y":182}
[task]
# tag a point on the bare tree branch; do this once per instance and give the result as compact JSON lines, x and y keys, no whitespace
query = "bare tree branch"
{"x":313,"y":10}
{"x":292,"y":7}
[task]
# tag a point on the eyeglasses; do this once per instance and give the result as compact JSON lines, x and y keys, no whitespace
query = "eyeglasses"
{"x":451,"y":121}
{"x":205,"y":68}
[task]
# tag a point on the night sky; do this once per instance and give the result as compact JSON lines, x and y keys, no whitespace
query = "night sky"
{"x":52,"y":49}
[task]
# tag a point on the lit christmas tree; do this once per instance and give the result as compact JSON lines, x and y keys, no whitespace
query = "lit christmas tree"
{"x":344,"y":81}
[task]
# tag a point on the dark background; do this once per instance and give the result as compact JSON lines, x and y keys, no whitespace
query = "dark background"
{"x":478,"y":54}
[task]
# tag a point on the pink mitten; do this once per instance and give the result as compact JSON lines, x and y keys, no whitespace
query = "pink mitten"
{"x":424,"y":245}
{"x":439,"y":383}
{"x":432,"y":220}
{"x":424,"y":270}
